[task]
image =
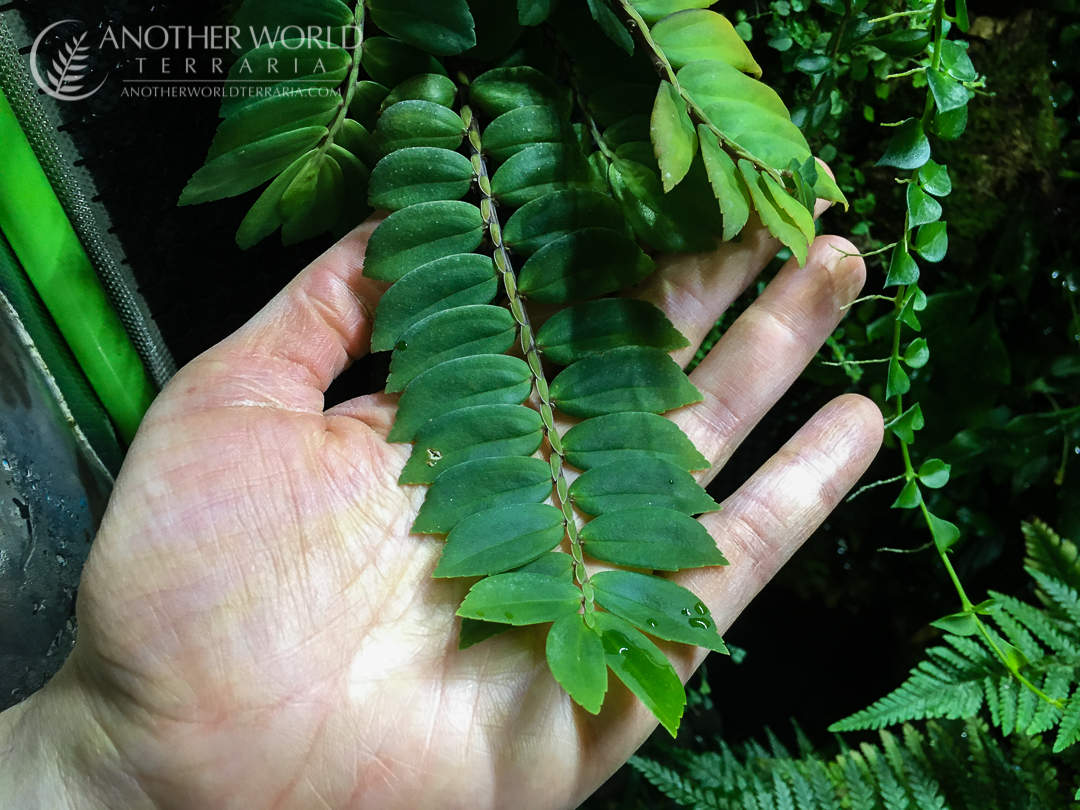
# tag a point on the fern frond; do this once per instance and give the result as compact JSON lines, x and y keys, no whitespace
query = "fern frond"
{"x":1063,"y":599}
{"x":1061,"y":637}
{"x":675,"y":786}
{"x":1050,"y":554}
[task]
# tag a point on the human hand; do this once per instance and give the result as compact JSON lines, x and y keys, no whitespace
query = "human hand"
{"x":257,"y":627}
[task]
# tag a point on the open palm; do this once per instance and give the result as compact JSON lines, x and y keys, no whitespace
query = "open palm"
{"x":259,"y":629}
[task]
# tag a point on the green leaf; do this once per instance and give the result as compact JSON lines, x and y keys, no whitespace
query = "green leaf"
{"x":653,"y":10}
{"x":298,"y":64}
{"x":576,"y":656}
{"x":497,"y":540}
{"x":747,"y":111}
{"x":934,"y":473}
{"x":898,"y":381}
{"x":917,"y":353}
{"x":353,"y":137}
{"x":621,"y":436}
{"x":555,"y":215}
{"x":779,"y":225}
{"x":366,"y":104}
{"x":419,"y":174}
{"x":962,"y":15}
{"x":611,"y":25}
{"x":271,"y":116}
{"x":312,"y":203}
{"x":534,"y":12}
{"x":932,"y":241}
{"x":914,"y":301}
{"x":542,"y":169}
{"x":793,"y":209}
{"x":945,"y":534}
{"x":476,"y":486}
{"x":904,"y":43}
{"x":910,"y":496}
{"x":453,"y":281}
{"x":957,"y":63}
{"x":902,"y":268}
{"x":951,"y":125}
{"x":249,"y":166}
{"x":673,"y":137}
{"x":480,"y":379}
{"x":420,"y":234}
{"x":1069,"y":731}
{"x":639,"y":482}
{"x":446,"y":335}
{"x":656,"y":217}
{"x":321,"y":16}
{"x":443,"y":28}
{"x":922,"y":208}
{"x":500,"y":90}
{"x":355,"y":175}
{"x":480,"y":431}
{"x":523,"y":127}
{"x":390,"y":61}
{"x":597,"y":326}
{"x":658,"y":607}
{"x":948,"y":93}
{"x":521,"y":599}
{"x":556,"y":564}
{"x":696,"y":34}
{"x":959,"y":624}
{"x":433,"y":87}
{"x":908,"y":147}
{"x":648,"y":537}
{"x":730,"y":191}
{"x":473,"y":631}
{"x":418,"y":123}
{"x":619,"y":101}
{"x":905,"y":425}
{"x":629,"y":129}
{"x":583,"y":264}
{"x":265,"y":216}
{"x":630,"y":378}
{"x":813,"y":63}
{"x":934,"y":178}
{"x":645,"y":670}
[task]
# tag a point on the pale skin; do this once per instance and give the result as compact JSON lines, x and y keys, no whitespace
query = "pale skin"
{"x":258,"y":629}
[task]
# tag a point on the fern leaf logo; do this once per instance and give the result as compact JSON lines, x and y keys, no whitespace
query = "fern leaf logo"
{"x":64,"y":78}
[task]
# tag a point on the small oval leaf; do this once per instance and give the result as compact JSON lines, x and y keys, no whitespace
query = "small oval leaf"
{"x":555,"y":215}
{"x":542,"y":169}
{"x":497,"y":540}
{"x":647,"y":537}
{"x":583,"y":264}
{"x":420,"y":234}
{"x":593,"y":327}
{"x":639,"y":482}
{"x":576,"y":656}
{"x":520,"y":599}
{"x":417,"y":175}
{"x":622,"y":436}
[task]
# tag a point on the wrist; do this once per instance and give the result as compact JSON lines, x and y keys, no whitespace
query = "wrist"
{"x":55,"y":755}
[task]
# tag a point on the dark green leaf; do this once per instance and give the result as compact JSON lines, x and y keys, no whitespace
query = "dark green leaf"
{"x":418,"y":123}
{"x":611,"y":25}
{"x":729,"y":189}
{"x":312,"y":202}
{"x":420,"y":234}
{"x":476,"y":486}
{"x":443,"y":28}
{"x":932,"y":241}
{"x":555,"y":215}
{"x":630,"y":129}
{"x":903,"y":43}
{"x":534,"y":12}
{"x":556,"y":564}
{"x":917,"y":354}
{"x":500,"y":90}
{"x":653,"y":10}
{"x":583,"y":264}
{"x":249,"y":166}
{"x":517,"y":130}
{"x":453,"y":281}
{"x":951,"y":125}
{"x":481,"y":431}
{"x":302,"y":65}
{"x":813,"y":63}
{"x":902,"y":268}
{"x":446,"y":335}
{"x":948,"y":93}
{"x":472,"y":632}
{"x":366,"y":104}
{"x":620,"y":436}
{"x":908,"y":148}
{"x":521,"y":599}
{"x":648,"y":537}
{"x":934,"y":473}
{"x":271,"y":116}
{"x":922,"y":208}
{"x":542,"y":169}
{"x":630,"y":378}
{"x":907,"y":423}
{"x":639,"y":482}
{"x":596,"y":326}
{"x":355,"y":174}
{"x":914,"y":301}
{"x":356,"y":139}
{"x":934,"y":178}
{"x":640,"y":665}
{"x":898,"y":381}
{"x":326,"y":17}
{"x":673,"y":136}
{"x":659,"y":607}
{"x":390,"y":61}
{"x":910,"y":496}
{"x":696,"y":34}
{"x":955,"y":60}
{"x":497,"y":540}
{"x":433,"y":87}
{"x":265,"y":216}
{"x":619,"y":101}
{"x":959,"y":624}
{"x":419,"y":174}
{"x":657,"y":217}
{"x":576,"y":656}
{"x":945,"y":533}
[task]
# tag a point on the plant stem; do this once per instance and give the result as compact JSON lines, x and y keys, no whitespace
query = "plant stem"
{"x":350,"y":83}
{"x":503,"y":265}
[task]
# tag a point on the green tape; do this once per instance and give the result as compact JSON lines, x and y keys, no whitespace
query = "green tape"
{"x":42,"y":238}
